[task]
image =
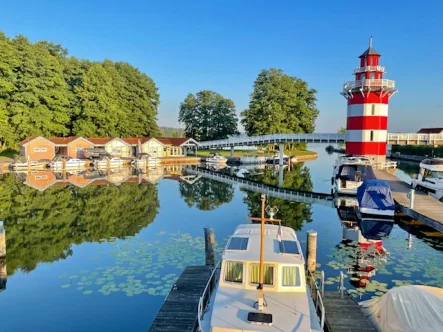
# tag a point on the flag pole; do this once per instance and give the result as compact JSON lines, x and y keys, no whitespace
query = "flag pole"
{"x":262,"y":254}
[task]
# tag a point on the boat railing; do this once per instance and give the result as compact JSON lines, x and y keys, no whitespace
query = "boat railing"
{"x":316,"y":294}
{"x":206,"y":295}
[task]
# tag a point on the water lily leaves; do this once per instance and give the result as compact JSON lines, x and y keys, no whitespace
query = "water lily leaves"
{"x":87,"y":292}
{"x":66,"y":286}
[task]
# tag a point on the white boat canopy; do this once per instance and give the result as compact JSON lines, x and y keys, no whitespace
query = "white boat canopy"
{"x":407,"y":309}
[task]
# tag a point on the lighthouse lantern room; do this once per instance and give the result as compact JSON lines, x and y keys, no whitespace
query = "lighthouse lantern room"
{"x":368,"y":97}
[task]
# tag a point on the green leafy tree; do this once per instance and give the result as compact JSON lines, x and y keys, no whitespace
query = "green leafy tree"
{"x":280,"y":104}
{"x":207,"y":115}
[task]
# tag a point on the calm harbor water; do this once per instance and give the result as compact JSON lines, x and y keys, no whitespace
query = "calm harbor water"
{"x":102,"y":257}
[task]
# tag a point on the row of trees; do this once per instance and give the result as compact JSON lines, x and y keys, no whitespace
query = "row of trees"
{"x":279,"y":103}
{"x":45,"y":92}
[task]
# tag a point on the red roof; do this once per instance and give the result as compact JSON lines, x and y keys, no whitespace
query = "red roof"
{"x":134,"y":140}
{"x":62,"y":140}
{"x":430,"y":131}
{"x":174,"y":141}
{"x":100,"y":140}
{"x":26,"y":140}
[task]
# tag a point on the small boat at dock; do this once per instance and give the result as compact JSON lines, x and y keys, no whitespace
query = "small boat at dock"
{"x":375,"y":200}
{"x":61,"y":162}
{"x":349,"y":173}
{"x":216,"y":158}
{"x":430,"y":178}
{"x":108,"y":163}
{"x":261,"y":284}
{"x":144,"y":159}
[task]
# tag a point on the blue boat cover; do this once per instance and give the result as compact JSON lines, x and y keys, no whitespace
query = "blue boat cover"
{"x":375,"y":194}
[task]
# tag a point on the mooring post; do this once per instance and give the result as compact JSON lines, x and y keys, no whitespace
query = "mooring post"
{"x":232,"y":152}
{"x":209,"y":246}
{"x":311,"y":250}
{"x":341,"y":284}
{"x":411,"y":198}
{"x":2,"y":240}
{"x":282,"y":150}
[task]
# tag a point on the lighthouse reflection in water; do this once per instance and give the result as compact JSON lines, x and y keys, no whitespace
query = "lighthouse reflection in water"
{"x":362,"y":242}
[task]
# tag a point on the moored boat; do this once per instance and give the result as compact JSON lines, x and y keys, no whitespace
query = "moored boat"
{"x":349,"y":173}
{"x":108,"y":163}
{"x":261,"y":284}
{"x":216,"y":158}
{"x":144,"y":159}
{"x":430,"y":177}
{"x":61,"y":162}
{"x":375,"y":200}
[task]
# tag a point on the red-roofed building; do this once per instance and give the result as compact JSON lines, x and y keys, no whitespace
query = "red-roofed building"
{"x":116,"y":147}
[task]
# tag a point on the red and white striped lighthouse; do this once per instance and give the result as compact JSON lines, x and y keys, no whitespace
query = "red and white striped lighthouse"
{"x":368,"y":96}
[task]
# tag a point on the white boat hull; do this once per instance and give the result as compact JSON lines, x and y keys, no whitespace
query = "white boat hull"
{"x":377,"y":212}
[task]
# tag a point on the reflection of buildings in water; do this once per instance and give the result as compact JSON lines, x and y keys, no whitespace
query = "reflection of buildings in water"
{"x":43,"y":179}
{"x":365,"y":236}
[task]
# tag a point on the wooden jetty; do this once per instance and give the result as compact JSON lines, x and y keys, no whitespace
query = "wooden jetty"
{"x":426,"y":209}
{"x":180,"y":309}
{"x":344,"y":314}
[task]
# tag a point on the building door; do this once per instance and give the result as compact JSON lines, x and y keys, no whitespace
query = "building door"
{"x":79,"y":153}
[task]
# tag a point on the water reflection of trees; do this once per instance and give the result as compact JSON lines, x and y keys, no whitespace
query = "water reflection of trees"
{"x":42,"y":226}
{"x":206,"y":194}
{"x":291,"y":213}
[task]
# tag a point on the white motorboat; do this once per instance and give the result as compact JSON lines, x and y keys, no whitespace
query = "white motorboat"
{"x":375,"y":200}
{"x":20,"y":163}
{"x":276,"y":159}
{"x":430,"y":178}
{"x":349,"y":173}
{"x":216,"y":158}
{"x":108,"y":163}
{"x":144,"y":159}
{"x":65,"y":162}
{"x":260,"y":288}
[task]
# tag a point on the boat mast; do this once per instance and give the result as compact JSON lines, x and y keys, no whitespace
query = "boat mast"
{"x":262,"y":220}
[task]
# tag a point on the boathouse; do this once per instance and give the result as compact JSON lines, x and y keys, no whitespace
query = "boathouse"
{"x":116,"y":147}
{"x":37,"y":148}
{"x":40,"y":148}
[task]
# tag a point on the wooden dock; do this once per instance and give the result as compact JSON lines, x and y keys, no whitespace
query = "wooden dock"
{"x":179,"y":311}
{"x":426,"y":209}
{"x":344,"y":314}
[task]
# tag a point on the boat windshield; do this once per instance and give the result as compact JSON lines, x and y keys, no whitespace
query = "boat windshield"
{"x":437,"y":174}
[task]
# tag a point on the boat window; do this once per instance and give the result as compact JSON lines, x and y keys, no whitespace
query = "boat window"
{"x":268,"y":274}
{"x":238,"y":243}
{"x":437,"y":174}
{"x":234,"y":272}
{"x":290,"y":276}
{"x":289,"y":247}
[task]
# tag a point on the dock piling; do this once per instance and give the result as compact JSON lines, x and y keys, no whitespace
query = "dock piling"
{"x":209,"y":246}
{"x":232,"y":151}
{"x":311,"y":250}
{"x":3,"y":274}
{"x":282,"y":151}
{"x":411,"y":197}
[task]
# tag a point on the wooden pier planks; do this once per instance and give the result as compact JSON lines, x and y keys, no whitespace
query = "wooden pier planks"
{"x":426,"y":208}
{"x":179,"y":311}
{"x":344,"y":314}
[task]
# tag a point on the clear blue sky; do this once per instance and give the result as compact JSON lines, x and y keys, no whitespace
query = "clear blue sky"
{"x":187,"y":46}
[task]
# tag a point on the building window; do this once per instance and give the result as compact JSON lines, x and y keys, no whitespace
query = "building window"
{"x":234,"y":272}
{"x":39,"y":149}
{"x":373,"y":109}
{"x":372,"y":136}
{"x":290,"y":276}
{"x":268,"y":278}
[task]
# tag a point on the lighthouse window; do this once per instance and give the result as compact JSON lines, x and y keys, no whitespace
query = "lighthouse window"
{"x":372,"y":109}
{"x":372,"y":76}
{"x":372,"y":136}
{"x":362,"y":76}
